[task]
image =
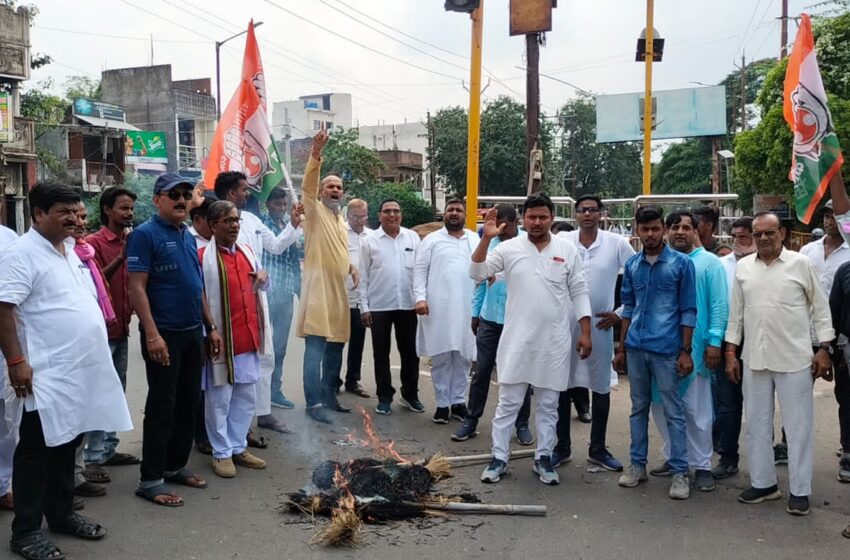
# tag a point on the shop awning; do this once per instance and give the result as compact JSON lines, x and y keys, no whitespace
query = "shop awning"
{"x":106,"y":123}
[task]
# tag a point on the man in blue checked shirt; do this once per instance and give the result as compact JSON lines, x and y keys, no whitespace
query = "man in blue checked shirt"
{"x":284,"y":284}
{"x":488,"y":320}
{"x":659,"y":315}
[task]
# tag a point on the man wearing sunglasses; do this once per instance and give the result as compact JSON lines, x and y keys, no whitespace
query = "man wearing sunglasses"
{"x":167,"y":292}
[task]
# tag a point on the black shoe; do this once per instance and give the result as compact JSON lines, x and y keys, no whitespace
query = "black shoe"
{"x":724,"y":470}
{"x":459,"y":412}
{"x":661,"y":470}
{"x":585,"y":417}
{"x":357,"y":390}
{"x":703,"y":481}
{"x":780,"y":454}
{"x":318,"y":414}
{"x":604,"y":459}
{"x":336,"y":406}
{"x":758,"y":495}
{"x":441,"y":415}
{"x":466,"y":431}
{"x":798,"y":505}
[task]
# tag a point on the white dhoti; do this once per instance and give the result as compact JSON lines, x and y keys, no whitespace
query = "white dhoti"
{"x":264,"y":385}
{"x":511,"y":397}
{"x":699,"y":418}
{"x":796,"y":405}
{"x":228,"y":410}
{"x":449,"y":374}
{"x":7,"y":446}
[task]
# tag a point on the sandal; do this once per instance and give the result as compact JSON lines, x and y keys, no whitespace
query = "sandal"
{"x":121,"y":460}
{"x":7,"y":502}
{"x":96,"y":474}
{"x":89,"y":490}
{"x":78,"y":526}
{"x":35,"y":546}
{"x":151,"y":494}
{"x":256,"y":440}
{"x":185,"y":477}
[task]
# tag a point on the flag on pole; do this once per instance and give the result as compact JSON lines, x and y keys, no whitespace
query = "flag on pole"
{"x":816,"y":156}
{"x":243,"y":139}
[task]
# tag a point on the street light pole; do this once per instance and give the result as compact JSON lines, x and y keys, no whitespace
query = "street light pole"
{"x":218,"y":45}
{"x":474,"y":118}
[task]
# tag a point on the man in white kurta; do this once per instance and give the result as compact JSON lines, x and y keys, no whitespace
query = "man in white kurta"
{"x":546,"y":289}
{"x":54,"y":340}
{"x":443,"y":293}
{"x":603,"y":254}
{"x":8,"y":428}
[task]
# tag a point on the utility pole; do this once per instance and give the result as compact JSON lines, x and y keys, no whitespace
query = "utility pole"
{"x":432,"y":173}
{"x":532,"y":106}
{"x":743,"y":93}
{"x":715,"y":165}
{"x":647,"y":100}
{"x":783,"y":37}
{"x":474,"y":139}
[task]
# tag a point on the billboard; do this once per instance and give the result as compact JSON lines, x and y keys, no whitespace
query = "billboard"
{"x":7,"y":126}
{"x":144,"y":146}
{"x":90,"y":108}
{"x":775,"y":203}
{"x":677,"y":113}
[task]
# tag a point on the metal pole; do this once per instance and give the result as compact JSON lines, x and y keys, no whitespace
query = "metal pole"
{"x":474,"y":118}
{"x":532,"y":109}
{"x":783,"y":37}
{"x":432,"y":175}
{"x":217,"y":81}
{"x":647,"y":102}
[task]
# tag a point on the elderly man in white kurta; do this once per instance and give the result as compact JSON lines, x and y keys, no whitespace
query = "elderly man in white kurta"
{"x":8,"y":429}
{"x":603,"y":254}
{"x":546,"y":290}
{"x":54,"y":340}
{"x":443,"y":290}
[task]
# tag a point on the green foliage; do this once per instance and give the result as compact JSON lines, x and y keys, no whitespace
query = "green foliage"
{"x":685,"y":168}
{"x":46,"y":109}
{"x":609,"y":170}
{"x":354,"y":164}
{"x":503,"y":162}
{"x":415,"y":211}
{"x":142,"y":186}
{"x":450,"y":146}
{"x":832,"y":38}
{"x":756,"y":73}
{"x":82,"y":86}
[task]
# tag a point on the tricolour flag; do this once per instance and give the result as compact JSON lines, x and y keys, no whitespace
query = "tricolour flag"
{"x":816,"y":154}
{"x":243,"y":139}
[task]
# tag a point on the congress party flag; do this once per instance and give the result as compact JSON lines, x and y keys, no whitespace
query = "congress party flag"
{"x":816,"y":154}
{"x":243,"y":138}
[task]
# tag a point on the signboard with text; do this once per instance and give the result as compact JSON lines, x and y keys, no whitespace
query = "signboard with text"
{"x":775,"y":203}
{"x":98,"y":109}
{"x":145,"y":146}
{"x":7,"y":125}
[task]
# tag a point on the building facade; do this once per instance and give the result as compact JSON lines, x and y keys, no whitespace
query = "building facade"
{"x":303,"y":117}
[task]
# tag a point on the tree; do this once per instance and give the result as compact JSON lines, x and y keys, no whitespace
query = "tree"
{"x":756,"y":72}
{"x":608,"y":170}
{"x":414,"y":209}
{"x":450,"y":146}
{"x":353,"y":163}
{"x":685,"y":168}
{"x":82,"y":86}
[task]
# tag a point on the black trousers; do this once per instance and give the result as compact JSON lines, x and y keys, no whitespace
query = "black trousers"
{"x":355,"y":350}
{"x":200,"y":422}
{"x":842,"y":395}
{"x":728,"y":411}
{"x":42,"y":478}
{"x":174,"y":392}
{"x":580,"y":397}
{"x":404,"y":322}
{"x":598,"y":426}
{"x":487,"y":342}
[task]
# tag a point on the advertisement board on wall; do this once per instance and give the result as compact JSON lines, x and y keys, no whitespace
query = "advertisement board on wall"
{"x":145,"y":146}
{"x":7,"y":125}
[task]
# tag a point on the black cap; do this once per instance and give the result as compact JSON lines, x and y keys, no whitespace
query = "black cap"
{"x":168,"y":181}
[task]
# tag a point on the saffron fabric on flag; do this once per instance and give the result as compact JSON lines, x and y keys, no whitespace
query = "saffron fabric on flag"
{"x":243,"y":139}
{"x":816,"y":156}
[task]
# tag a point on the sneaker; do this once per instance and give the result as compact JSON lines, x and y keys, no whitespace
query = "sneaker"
{"x":844,"y":468}
{"x":680,"y":488}
{"x":280,"y":401}
{"x":524,"y":436}
{"x":414,"y":405}
{"x":383,"y":408}
{"x":633,"y":476}
{"x":561,"y":457}
{"x":459,"y":412}
{"x":758,"y":495}
{"x":661,"y":470}
{"x":703,"y":480}
{"x":494,"y":471}
{"x":724,"y":470}
{"x":224,"y":467}
{"x":249,"y":461}
{"x":466,"y":431}
{"x":604,"y":459}
{"x":780,"y":454}
{"x":544,"y":471}
{"x":798,"y":505}
{"x":441,"y":415}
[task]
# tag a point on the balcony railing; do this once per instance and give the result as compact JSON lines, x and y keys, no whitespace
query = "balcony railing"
{"x":23,"y":142}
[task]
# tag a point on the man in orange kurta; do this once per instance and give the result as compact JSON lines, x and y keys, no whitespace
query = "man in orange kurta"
{"x":323,"y":317}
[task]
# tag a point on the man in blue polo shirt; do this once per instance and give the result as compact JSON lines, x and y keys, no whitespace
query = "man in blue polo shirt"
{"x":659,"y":315}
{"x":166,"y":290}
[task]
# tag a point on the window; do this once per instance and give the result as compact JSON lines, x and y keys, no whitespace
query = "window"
{"x":317,"y":125}
{"x":329,"y":125}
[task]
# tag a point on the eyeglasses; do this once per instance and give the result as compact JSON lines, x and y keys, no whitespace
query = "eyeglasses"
{"x":175,"y":195}
{"x":391,"y":211}
{"x":587,"y":210}
{"x":768,"y":233}
{"x":232,"y":221}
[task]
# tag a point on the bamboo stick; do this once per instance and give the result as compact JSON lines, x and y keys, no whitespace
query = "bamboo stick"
{"x":505,"y":509}
{"x":486,"y":457}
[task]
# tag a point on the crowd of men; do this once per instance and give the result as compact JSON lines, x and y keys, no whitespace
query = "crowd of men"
{"x":704,"y":328}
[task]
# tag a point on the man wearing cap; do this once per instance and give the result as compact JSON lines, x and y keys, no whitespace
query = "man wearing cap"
{"x":166,"y":290}
{"x":827,"y":255}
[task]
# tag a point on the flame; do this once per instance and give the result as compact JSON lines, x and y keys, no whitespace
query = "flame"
{"x":346,"y":499}
{"x":385,"y":450}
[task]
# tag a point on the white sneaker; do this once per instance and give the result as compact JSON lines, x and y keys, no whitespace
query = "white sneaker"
{"x":680,"y":487}
{"x":633,"y":476}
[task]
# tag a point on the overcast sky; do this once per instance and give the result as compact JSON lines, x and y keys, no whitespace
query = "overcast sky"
{"x":591,"y":45}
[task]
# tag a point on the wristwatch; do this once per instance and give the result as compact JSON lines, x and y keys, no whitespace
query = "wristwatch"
{"x":826,"y":346}
{"x":686,"y":349}
{"x":211,"y":327}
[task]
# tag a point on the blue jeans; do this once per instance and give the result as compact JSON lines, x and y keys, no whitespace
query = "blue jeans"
{"x":322,"y":364}
{"x":101,"y":446}
{"x":280,"y":311}
{"x":643,"y":367}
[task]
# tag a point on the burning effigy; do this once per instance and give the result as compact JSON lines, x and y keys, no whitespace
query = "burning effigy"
{"x":380,"y":489}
